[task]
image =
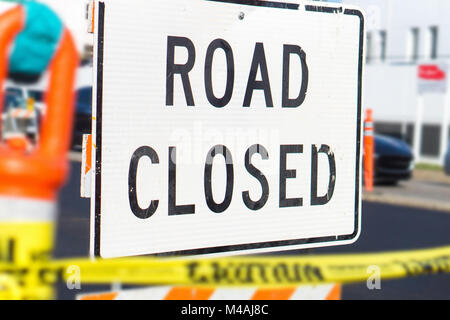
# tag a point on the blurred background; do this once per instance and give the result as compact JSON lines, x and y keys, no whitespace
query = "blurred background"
{"x":405,"y":85}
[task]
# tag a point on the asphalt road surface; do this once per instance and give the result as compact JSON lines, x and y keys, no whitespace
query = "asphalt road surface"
{"x":384,"y":228}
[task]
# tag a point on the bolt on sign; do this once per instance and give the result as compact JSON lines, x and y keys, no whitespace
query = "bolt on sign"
{"x":225,"y":127}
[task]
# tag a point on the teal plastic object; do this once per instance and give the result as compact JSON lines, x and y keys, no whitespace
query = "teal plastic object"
{"x":35,"y":46}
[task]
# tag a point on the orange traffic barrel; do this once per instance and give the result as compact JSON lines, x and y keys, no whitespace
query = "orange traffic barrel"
{"x":30,"y":178}
{"x":369,"y":149}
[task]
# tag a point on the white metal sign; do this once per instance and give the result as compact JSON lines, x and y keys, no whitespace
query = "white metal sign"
{"x":225,"y":126}
{"x":432,"y":78}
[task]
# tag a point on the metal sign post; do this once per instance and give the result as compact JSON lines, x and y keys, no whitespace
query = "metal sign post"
{"x":418,"y":127}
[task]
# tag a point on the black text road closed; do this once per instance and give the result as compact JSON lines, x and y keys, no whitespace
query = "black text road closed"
{"x":258,"y":64}
{"x":252,"y":204}
{"x":226,"y":127}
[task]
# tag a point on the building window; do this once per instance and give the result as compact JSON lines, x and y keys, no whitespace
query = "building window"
{"x":432,"y":42}
{"x":431,"y":140}
{"x":413,"y":45}
{"x":383,"y":36}
{"x":369,"y":47}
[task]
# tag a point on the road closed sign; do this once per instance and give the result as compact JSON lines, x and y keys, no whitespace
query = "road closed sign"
{"x":225,"y":127}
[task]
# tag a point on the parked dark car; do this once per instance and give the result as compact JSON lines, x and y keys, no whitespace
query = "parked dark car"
{"x":83,"y":116}
{"x":394,"y":160}
{"x":447,"y":161}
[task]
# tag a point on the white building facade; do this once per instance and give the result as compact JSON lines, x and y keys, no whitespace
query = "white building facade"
{"x":401,"y":35}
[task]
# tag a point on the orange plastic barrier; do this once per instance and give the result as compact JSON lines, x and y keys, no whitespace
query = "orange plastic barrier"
{"x":321,"y":292}
{"x":41,"y":172}
{"x":369,"y":149}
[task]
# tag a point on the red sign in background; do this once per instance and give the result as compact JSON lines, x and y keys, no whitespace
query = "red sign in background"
{"x":431,"y":72}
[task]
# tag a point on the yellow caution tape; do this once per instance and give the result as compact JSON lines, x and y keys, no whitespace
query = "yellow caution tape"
{"x":24,"y":244}
{"x":261,"y":271}
{"x":9,"y":288}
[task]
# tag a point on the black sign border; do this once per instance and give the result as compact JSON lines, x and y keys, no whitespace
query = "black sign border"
{"x":238,"y":247}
